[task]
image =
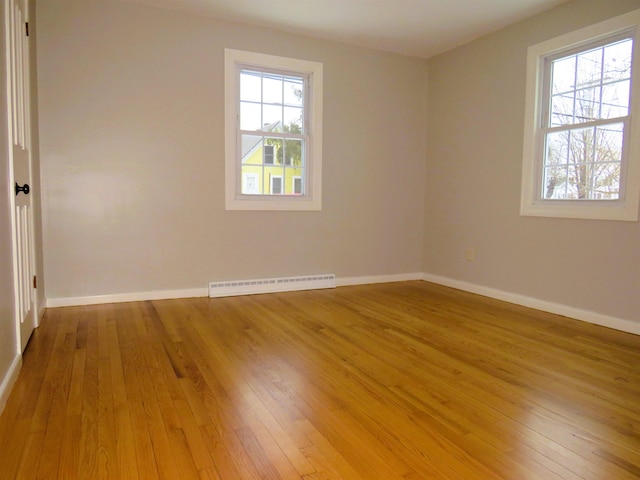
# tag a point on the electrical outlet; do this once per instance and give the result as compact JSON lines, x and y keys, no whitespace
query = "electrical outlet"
{"x":470,"y":254}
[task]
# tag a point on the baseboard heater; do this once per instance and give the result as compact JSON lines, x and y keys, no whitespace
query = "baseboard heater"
{"x":271,"y":285}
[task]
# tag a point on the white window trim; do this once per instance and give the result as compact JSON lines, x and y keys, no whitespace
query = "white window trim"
{"x":531,"y":204}
{"x":312,"y":199}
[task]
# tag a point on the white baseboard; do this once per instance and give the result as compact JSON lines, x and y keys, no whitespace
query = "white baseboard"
{"x":624,"y":325}
{"x":126,"y":297}
{"x":203,"y":292}
{"x":403,"y":277}
{"x":9,"y":379}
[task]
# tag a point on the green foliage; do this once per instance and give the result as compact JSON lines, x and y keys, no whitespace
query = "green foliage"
{"x":289,"y":149}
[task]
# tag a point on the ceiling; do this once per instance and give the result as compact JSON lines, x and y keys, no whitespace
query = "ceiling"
{"x":420,"y":28}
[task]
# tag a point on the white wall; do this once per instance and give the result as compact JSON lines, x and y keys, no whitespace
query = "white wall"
{"x":131,"y":118}
{"x":474,"y":158}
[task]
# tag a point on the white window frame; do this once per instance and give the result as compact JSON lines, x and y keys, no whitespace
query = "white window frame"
{"x":312,"y":198}
{"x":532,"y":204}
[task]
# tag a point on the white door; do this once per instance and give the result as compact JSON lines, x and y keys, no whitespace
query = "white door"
{"x":18,"y":111}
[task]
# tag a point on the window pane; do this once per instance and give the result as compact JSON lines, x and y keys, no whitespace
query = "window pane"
{"x":615,"y":99}
{"x":617,"y":61}
{"x":276,"y":145}
{"x":609,"y":143}
{"x":608,"y":162}
{"x":587,"y":105}
{"x":293,"y":91}
{"x":249,"y":144}
{"x":251,"y":184}
{"x":562,"y":110}
{"x":557,"y":151}
{"x":250,"y":181}
{"x":607,"y":182}
{"x":554,"y":183}
{"x":294,"y":152}
{"x":272,"y":118}
{"x":581,"y":145}
{"x":250,"y":116}
{"x":250,"y":86}
{"x":272,"y":89}
{"x":589,"y":68}
{"x":563,"y":75}
{"x":293,"y":119}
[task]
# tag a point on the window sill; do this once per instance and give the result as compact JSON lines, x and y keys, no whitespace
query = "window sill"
{"x":266,"y":203}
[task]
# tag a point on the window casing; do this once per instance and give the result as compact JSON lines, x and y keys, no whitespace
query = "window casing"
{"x":273,"y":132}
{"x":578,"y":160}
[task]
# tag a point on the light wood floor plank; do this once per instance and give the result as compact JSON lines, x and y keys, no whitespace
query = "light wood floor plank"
{"x":400,"y":381}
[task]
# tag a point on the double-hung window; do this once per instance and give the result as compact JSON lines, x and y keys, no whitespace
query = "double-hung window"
{"x":581,"y":125}
{"x":273,"y":132}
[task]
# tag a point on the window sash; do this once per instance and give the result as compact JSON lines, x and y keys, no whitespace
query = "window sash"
{"x":547,"y":62}
{"x":546,"y":128}
{"x":591,"y":168}
{"x":303,"y":137}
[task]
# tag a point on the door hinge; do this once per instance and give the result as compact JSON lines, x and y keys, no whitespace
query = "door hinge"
{"x":35,"y":282}
{"x":26,"y":28}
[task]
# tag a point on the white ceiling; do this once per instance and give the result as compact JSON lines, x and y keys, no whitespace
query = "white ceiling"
{"x":419,"y":28}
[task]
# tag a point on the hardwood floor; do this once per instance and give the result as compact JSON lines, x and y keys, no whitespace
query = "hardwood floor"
{"x":398,"y":381}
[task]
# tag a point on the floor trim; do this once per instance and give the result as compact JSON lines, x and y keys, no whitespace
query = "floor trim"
{"x":585,"y":315}
{"x":624,"y":325}
{"x":8,"y":380}
{"x":204,"y":292}
{"x":403,"y":277}
{"x":126,"y":297}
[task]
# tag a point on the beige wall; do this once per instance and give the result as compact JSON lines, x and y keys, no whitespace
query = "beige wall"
{"x":131,"y":118}
{"x":132,"y":148}
{"x":474,"y":156}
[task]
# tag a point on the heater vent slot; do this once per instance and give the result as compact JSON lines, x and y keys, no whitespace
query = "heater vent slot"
{"x":271,"y":285}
